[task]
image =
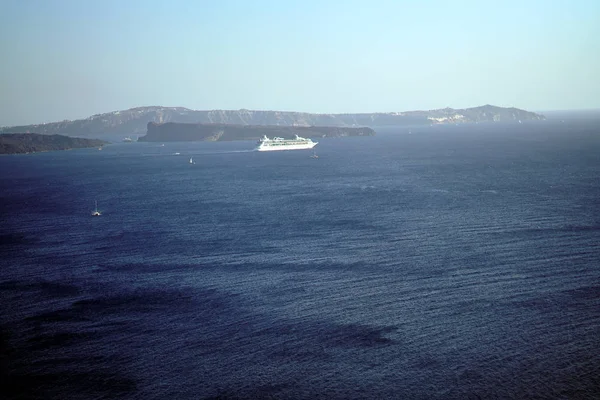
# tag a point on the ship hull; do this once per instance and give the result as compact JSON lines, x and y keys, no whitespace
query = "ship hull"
{"x":287,"y":147}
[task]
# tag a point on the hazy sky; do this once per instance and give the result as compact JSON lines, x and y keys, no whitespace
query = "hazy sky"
{"x":65,"y":59}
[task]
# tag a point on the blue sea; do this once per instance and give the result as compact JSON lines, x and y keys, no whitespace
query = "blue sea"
{"x":444,"y":262}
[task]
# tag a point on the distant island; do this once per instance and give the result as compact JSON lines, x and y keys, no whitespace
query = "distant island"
{"x":18,"y":143}
{"x":134,"y":121}
{"x":174,"y":132}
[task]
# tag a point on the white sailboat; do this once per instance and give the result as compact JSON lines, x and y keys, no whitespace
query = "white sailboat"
{"x":192,"y":161}
{"x":96,"y":213}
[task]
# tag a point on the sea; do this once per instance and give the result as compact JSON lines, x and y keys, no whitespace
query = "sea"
{"x":435,"y":262}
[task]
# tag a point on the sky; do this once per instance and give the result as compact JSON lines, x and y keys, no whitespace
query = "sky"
{"x":69,"y":59}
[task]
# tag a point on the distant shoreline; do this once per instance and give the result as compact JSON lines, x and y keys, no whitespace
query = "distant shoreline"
{"x":134,"y":121}
{"x":30,"y":143}
{"x":173,"y":131}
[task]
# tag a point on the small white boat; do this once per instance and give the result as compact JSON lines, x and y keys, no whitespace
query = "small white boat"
{"x":96,"y":213}
{"x":192,"y":161}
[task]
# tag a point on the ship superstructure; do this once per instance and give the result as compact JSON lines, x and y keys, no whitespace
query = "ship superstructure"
{"x":277,"y":143}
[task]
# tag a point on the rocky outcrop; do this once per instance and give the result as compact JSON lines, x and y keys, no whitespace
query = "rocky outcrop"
{"x":181,"y":132}
{"x":14,"y":143}
{"x":134,"y":121}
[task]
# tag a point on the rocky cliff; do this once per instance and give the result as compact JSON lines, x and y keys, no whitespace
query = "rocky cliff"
{"x":14,"y":143}
{"x":176,"y":132}
{"x":134,"y":121}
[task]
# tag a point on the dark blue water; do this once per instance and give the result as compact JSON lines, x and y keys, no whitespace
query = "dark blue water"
{"x":450,"y":263}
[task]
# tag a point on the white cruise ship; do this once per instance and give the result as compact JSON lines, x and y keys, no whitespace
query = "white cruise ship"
{"x":277,"y":143}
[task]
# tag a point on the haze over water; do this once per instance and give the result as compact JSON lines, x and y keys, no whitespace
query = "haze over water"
{"x":453,"y":262}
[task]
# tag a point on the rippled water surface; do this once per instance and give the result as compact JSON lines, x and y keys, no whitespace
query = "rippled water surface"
{"x":449,"y":263}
